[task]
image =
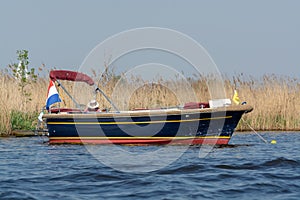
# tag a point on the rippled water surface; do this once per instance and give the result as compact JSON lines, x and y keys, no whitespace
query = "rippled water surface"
{"x":247,"y":169}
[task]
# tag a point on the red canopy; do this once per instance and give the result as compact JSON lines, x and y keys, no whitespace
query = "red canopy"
{"x":70,"y":76}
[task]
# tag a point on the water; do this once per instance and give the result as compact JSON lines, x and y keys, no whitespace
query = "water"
{"x":249,"y":169}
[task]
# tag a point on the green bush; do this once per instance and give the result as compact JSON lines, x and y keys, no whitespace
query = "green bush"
{"x":23,"y":121}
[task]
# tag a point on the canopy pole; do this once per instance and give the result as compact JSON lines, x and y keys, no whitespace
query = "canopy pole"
{"x":64,"y":89}
{"x":108,"y":99}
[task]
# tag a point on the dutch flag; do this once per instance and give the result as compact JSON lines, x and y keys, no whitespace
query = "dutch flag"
{"x":53,"y":96}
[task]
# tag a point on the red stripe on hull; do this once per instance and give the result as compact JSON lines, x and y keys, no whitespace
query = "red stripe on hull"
{"x":207,"y":141}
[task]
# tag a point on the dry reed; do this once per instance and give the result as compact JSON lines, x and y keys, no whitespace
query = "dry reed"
{"x":274,"y":98}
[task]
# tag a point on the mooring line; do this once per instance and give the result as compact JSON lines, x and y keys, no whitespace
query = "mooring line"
{"x":36,"y":132}
{"x":261,"y":137}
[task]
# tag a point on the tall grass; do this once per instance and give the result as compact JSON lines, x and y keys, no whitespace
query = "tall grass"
{"x":15,"y":110}
{"x":275,"y":98}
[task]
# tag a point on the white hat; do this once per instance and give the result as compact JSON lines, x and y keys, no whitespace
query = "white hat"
{"x":93,"y":104}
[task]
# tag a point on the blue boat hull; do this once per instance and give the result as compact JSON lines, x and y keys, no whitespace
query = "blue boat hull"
{"x":184,"y":127}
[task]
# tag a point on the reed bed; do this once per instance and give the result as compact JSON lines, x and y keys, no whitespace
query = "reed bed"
{"x":16,"y":108}
{"x":275,"y":98}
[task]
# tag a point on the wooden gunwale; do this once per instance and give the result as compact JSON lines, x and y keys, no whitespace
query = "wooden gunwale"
{"x":161,"y":112}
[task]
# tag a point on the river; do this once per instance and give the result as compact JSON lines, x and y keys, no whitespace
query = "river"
{"x":30,"y":168}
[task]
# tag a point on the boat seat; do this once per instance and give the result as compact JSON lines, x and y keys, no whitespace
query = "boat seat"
{"x":193,"y":105}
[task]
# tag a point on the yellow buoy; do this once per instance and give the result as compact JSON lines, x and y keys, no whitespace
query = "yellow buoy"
{"x":273,"y":142}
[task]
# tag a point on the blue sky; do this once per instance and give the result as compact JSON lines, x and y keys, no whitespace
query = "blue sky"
{"x":251,"y":37}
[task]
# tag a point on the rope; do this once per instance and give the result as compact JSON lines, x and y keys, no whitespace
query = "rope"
{"x":261,"y":137}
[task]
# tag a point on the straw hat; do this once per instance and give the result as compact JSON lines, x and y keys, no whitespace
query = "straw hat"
{"x":93,"y":104}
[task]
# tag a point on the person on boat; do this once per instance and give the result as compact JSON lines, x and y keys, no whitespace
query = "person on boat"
{"x":92,"y":106}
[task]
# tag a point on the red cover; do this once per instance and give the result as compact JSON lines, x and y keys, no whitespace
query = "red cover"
{"x":192,"y":105}
{"x":57,"y":110}
{"x":70,"y":76}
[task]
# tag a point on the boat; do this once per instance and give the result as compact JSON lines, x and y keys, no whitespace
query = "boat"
{"x":191,"y":124}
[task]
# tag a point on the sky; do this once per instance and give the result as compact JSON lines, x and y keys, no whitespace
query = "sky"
{"x":254,"y":37}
